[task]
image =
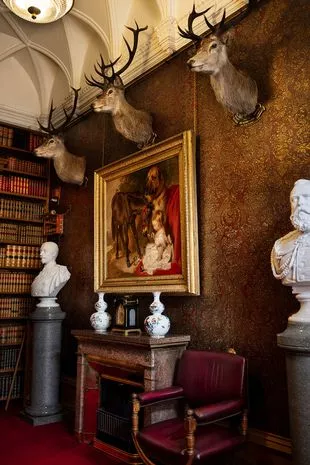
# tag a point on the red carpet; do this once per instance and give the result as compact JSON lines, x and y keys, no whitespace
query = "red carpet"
{"x":23,"y":444}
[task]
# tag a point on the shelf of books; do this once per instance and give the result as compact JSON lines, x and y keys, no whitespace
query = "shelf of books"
{"x":24,"y":203}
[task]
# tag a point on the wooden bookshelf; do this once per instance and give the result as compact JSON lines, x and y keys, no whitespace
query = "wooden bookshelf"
{"x":23,"y":173}
{"x":24,"y":204}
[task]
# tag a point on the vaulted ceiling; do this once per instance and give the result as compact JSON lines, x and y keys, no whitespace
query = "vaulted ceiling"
{"x":41,"y":62}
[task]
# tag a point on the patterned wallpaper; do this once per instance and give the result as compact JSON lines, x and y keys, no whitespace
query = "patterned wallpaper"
{"x":244,"y":176}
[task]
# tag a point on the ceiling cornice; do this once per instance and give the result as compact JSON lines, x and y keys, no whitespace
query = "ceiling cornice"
{"x":162,"y":42}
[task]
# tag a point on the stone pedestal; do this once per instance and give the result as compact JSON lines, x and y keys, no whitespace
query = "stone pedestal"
{"x":46,"y":320}
{"x":296,"y":342}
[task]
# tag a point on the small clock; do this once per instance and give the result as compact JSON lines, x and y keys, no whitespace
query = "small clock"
{"x":126,"y":315}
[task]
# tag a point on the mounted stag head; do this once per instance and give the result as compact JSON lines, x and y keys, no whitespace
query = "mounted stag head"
{"x":68,"y":167}
{"x":233,"y":89}
{"x":133,"y":124}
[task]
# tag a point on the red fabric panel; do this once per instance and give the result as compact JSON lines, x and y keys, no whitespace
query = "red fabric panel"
{"x":173,"y":220}
{"x":165,"y":441}
{"x":172,"y":392}
{"x":210,"y":377}
{"x":91,"y":402}
{"x":173,"y":227}
{"x":218,"y":411}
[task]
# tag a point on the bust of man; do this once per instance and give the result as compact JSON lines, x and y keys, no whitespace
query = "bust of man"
{"x":53,"y":277}
{"x":290,"y":256}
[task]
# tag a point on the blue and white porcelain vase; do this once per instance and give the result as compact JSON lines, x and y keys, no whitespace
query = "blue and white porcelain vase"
{"x":157,"y":325}
{"x":100,"y":320}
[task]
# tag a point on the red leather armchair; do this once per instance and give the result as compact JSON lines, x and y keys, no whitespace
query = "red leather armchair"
{"x":213,"y":385}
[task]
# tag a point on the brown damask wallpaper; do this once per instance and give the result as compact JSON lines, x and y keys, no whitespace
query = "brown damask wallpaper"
{"x":244,"y":176}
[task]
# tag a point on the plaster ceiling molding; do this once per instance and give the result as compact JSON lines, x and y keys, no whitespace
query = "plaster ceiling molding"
{"x":166,"y":29}
{"x":47,"y":74}
{"x":118,"y":17}
{"x":88,"y":41}
{"x":40,"y":61}
{"x":43,"y":61}
{"x":166,"y":33}
{"x":9,"y":42}
{"x":12,"y":72}
{"x":96,"y":15}
{"x":144,"y":14}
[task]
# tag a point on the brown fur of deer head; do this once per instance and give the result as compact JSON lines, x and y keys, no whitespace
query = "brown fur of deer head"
{"x":108,"y":100}
{"x":233,"y":89}
{"x":133,"y":124}
{"x":69,"y":168}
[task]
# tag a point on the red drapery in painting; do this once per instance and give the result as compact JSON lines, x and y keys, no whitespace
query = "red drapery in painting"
{"x":173,"y":228}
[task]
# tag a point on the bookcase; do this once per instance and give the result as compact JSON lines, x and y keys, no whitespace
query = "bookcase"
{"x":24,"y":205}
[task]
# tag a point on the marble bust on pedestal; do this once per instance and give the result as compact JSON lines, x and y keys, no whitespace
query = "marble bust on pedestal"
{"x":290,"y":256}
{"x":46,"y":339}
{"x":53,"y":277}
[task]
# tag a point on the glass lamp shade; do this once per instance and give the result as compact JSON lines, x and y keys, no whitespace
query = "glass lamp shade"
{"x":39,"y":11}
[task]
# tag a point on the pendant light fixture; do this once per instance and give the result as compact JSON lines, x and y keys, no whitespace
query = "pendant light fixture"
{"x":39,"y":11}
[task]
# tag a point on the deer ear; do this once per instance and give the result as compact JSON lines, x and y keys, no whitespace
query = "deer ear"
{"x":227,"y":37}
{"x":118,"y":82}
{"x":61,"y":136}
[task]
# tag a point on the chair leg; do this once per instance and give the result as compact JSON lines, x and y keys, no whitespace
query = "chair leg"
{"x":190,"y":428}
{"x":135,"y":429}
{"x":135,"y":413}
{"x":244,"y":423}
{"x":141,"y":454}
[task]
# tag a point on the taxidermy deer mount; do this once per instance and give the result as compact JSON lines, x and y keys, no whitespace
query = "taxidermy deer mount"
{"x":133,"y":124}
{"x":69,"y":168}
{"x":233,"y":89}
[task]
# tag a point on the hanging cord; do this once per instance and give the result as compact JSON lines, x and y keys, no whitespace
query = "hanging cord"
{"x":103,"y":141}
{"x":195,"y":104}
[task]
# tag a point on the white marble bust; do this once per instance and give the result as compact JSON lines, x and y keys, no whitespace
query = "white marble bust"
{"x":290,"y":256}
{"x":53,"y":277}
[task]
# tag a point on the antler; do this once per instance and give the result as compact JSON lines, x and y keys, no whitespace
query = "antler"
{"x":189,"y":33}
{"x":102,"y":71}
{"x":50,"y":128}
{"x":219,"y":28}
{"x":132,"y":51}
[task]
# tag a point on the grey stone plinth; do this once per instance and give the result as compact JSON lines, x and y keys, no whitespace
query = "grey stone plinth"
{"x":296,"y":342}
{"x":45,"y":364}
{"x":45,"y":420}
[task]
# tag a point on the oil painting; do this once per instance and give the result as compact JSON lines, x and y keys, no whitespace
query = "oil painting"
{"x":146,"y":220}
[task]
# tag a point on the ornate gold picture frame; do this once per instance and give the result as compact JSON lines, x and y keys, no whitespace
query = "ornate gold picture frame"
{"x":146,"y":235}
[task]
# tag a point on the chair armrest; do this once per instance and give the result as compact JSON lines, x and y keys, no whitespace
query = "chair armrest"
{"x":218,"y":411}
{"x":161,"y":395}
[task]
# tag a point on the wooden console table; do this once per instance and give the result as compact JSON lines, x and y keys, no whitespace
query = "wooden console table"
{"x":139,"y":361}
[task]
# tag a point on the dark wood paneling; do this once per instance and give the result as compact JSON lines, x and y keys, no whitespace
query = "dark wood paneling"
{"x":244,"y":179}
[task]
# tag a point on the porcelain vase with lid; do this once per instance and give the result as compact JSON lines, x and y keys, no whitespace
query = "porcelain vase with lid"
{"x":101,"y":319}
{"x":156,"y":324}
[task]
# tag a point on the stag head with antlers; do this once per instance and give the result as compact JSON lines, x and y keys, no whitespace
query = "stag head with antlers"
{"x":133,"y":124}
{"x":232,"y":88}
{"x":69,"y":168}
